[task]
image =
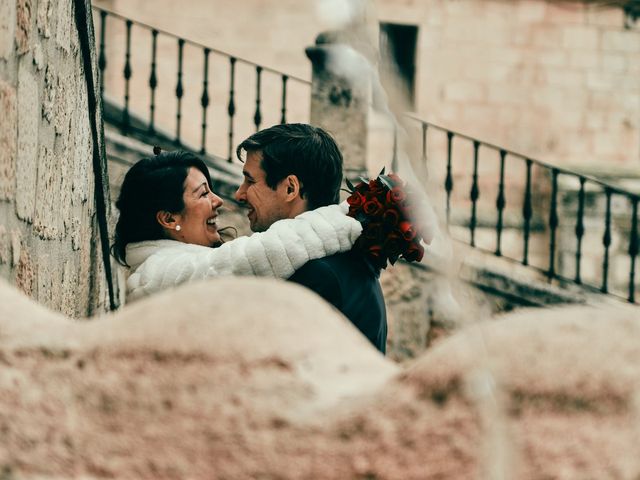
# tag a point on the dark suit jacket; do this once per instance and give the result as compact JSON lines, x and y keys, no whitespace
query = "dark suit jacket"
{"x":350,"y":283}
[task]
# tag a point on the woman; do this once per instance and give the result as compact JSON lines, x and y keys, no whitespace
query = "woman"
{"x":167,"y":226}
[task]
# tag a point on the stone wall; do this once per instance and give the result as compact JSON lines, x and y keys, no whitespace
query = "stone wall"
{"x":49,"y":242}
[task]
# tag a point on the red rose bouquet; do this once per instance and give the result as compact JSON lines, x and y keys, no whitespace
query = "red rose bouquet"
{"x":383,"y":207}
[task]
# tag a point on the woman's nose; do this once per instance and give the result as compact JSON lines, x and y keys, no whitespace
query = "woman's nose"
{"x":216,"y":201}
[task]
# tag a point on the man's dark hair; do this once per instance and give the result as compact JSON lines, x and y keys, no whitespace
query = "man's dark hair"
{"x":305,"y":151}
{"x":151,"y":185}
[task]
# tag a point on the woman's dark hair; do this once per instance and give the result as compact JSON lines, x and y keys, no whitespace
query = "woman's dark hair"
{"x":303,"y":150}
{"x":151,"y":185}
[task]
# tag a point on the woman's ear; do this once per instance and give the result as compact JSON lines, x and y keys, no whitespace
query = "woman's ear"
{"x":166,"y":220}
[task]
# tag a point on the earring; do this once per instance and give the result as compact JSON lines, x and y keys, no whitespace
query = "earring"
{"x":178,"y":228}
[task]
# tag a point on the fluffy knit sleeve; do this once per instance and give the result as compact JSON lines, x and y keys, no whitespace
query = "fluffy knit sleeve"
{"x":278,"y":252}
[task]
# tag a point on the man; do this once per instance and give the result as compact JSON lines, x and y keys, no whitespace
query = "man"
{"x":292,"y":168}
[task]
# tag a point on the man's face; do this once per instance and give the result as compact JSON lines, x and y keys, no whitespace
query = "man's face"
{"x":265,"y":205}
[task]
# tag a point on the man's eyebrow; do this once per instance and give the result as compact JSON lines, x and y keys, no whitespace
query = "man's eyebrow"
{"x":199,"y":187}
{"x":247,"y":174}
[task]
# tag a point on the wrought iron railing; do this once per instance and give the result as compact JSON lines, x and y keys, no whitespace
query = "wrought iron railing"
{"x":567,"y":202}
{"x":220,"y":113}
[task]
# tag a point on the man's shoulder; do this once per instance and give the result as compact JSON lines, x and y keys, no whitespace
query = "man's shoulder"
{"x":345,"y":265}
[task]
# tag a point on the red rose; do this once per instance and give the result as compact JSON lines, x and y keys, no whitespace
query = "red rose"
{"x":394,"y":245}
{"x":395,"y":179}
{"x":408,"y":232}
{"x":372,"y":207}
{"x":355,"y":200}
{"x":391,"y":217}
{"x":395,"y":196}
{"x":376,"y":186}
{"x":414,"y":253}
{"x":361,"y":187}
{"x":372,"y":231}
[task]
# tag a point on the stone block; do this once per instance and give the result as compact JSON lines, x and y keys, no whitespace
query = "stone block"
{"x":38,"y":57}
{"x":8,"y":135}
{"x":600,"y":81}
{"x":47,"y":217}
{"x":597,"y":15}
{"x":621,"y":41}
{"x":580,"y":38}
{"x":545,"y":35}
{"x":613,"y":62}
{"x":63,"y":25}
{"x":530,"y":11}
{"x":16,"y":250}
{"x":49,"y":93}
{"x":25,"y":272}
{"x":585,"y":59}
{"x":27,"y":155}
{"x":63,"y":107}
{"x":24,"y":16}
{"x":45,"y":8}
{"x":7,"y":28}
{"x":82,"y":149}
{"x":462,"y":91}
{"x":5,"y":246}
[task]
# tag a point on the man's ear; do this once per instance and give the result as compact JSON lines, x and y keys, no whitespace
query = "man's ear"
{"x":293,"y":188}
{"x":166,"y":220}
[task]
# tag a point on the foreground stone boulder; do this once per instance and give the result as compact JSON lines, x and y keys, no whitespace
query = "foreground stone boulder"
{"x":249,"y":378}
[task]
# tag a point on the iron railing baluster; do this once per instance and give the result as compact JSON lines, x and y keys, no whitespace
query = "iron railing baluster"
{"x":424,"y":150}
{"x":257,"y":117}
{"x":633,"y":251}
{"x":153,"y":80}
{"x":127,"y":76}
{"x":231,"y":109}
{"x":527,"y":213}
{"x":394,"y":153}
{"x":500,"y":205}
{"x":179,"y":91}
{"x":102,"y":57}
{"x":553,"y":224}
{"x":580,"y":231}
{"x":283,"y":118}
{"x":606,"y":242}
{"x":204,"y":100}
{"x":474,"y":194}
{"x":448,"y":181}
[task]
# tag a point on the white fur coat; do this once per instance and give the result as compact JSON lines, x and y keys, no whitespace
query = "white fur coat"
{"x":278,"y":252}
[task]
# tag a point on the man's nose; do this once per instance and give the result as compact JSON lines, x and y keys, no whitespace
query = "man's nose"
{"x":240,"y":194}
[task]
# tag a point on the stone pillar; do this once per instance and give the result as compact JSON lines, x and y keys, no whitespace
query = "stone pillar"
{"x":340,"y":93}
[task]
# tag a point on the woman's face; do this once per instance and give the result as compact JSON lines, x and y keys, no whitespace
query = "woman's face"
{"x":198,"y":219}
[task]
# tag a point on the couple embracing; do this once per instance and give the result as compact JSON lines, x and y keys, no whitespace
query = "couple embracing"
{"x":167,"y":232}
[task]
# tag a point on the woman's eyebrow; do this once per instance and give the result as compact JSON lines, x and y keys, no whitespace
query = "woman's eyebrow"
{"x":199,"y":187}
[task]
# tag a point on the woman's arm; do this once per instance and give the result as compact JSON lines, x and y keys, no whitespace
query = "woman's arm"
{"x":278,"y":252}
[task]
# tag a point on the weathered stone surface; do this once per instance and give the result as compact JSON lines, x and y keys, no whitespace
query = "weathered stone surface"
{"x":8,"y":136}
{"x":45,"y":8}
{"x":27,"y":157}
{"x":24,"y":16}
{"x":63,"y":107}
{"x":38,"y":57}
{"x":63,"y":25}
{"x":5,"y":245}
{"x":25,"y":271}
{"x":49,"y":93}
{"x":47,"y":217}
{"x":16,"y":250}
{"x":7,"y":28}
{"x":283,"y":387}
